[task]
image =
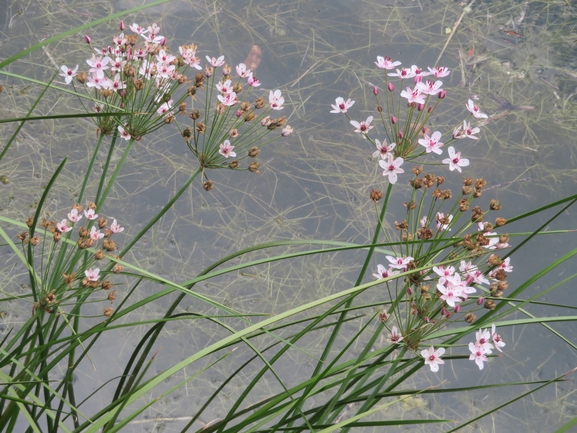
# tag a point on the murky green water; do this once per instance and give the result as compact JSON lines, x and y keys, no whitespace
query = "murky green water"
{"x":518,"y":57}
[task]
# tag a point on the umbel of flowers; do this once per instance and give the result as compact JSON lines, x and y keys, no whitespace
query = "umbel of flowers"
{"x":64,"y":268}
{"x":227,"y":127}
{"x":135,"y":80}
{"x":446,"y":268}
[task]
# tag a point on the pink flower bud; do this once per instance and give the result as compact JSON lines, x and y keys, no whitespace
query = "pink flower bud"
{"x":121,"y":26}
{"x":393,"y":120}
{"x":480,"y":301}
{"x":427,"y":320}
{"x":457,"y":308}
{"x":401,"y":134}
{"x":87,"y":39}
{"x":391,"y":87}
{"x":238,"y":113}
{"x":421,"y":107}
{"x":430,"y":109}
{"x":163,"y":42}
{"x":129,"y":53}
{"x":375,"y":90}
{"x":443,"y":311}
{"x":442,"y":94}
{"x":122,"y":93}
{"x":409,"y":291}
{"x":424,"y":129}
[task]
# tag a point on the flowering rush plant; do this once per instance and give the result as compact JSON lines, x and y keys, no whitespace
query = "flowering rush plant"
{"x":134,"y":79}
{"x":225,"y":130}
{"x":65,"y":269}
{"x":444,"y":267}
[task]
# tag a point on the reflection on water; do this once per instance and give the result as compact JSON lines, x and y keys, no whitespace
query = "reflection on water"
{"x":510,"y":54}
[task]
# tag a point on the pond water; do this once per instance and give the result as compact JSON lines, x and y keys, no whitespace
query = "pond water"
{"x":518,"y":59}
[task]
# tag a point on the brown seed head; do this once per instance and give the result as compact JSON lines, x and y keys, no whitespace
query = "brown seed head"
{"x":117,"y":268}
{"x":375,"y":195}
{"x":253,"y":167}
{"x":494,"y":260}
{"x":249,"y":116}
{"x":112,"y":296}
{"x":109,"y":245}
{"x":22,"y":236}
{"x":463,"y":205}
{"x":208,"y":185}
{"x":440,"y":180}
{"x":57,"y":236}
{"x":200,"y":127}
{"x":99,"y":255}
{"x":108,"y":311}
{"x":237,"y":87}
{"x":410,"y":205}
{"x":500,"y":222}
{"x":195,"y":114}
{"x":401,"y":225}
{"x":30,"y":221}
{"x":253,"y":152}
{"x":234,"y":164}
{"x":35,"y":240}
{"x":138,"y":84}
{"x":476,"y":214}
{"x":495,"y":205}
{"x":186,"y":133}
{"x":259,"y":103}
{"x":416,"y":183}
{"x":490,"y":304}
{"x":208,"y":71}
{"x":199,"y":79}
{"x":417,"y":169}
{"x":81,"y":77}
{"x":466,"y":190}
{"x":470,"y":317}
{"x":102,"y":222}
{"x":233,"y":133}
{"x":191,"y":91}
{"x":424,"y":233}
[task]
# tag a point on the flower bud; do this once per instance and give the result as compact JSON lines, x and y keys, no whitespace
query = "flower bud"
{"x":375,"y":90}
{"x":457,"y":308}
{"x":443,"y":311}
{"x":163,"y":42}
{"x":401,"y":135}
{"x":87,"y":39}
{"x":391,"y":87}
{"x":442,"y":94}
{"x":121,"y":26}
{"x":394,"y":120}
{"x":430,"y":109}
{"x":421,"y":107}
{"x":480,"y":300}
{"x":238,"y":113}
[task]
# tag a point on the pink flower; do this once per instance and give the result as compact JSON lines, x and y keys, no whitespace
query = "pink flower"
{"x":228,"y":99}
{"x":386,"y":63}
{"x":391,"y":168}
{"x":465,"y":131}
{"x":395,"y":336}
{"x":117,"y":83}
{"x":189,"y":57}
{"x":95,"y":234}
{"x":253,"y":81}
{"x":497,"y":340}
{"x":164,"y":108}
{"x":98,"y":65}
{"x":124,"y":133}
{"x":432,"y":143}
{"x":404,"y":73}
{"x":399,"y":262}
{"x":242,"y":71}
{"x":341,"y":105}
{"x":215,"y":62}
{"x":439,"y":71}
{"x":475,"y":111}
{"x":224,"y":88}
{"x":92,"y":274}
{"x":68,"y":74}
{"x":414,"y":95}
{"x":62,"y":226}
{"x":89,"y":214}
{"x":164,"y":57}
{"x":433,"y":357}
{"x":275,"y":100}
{"x":455,"y":161}
{"x":477,"y":355}
{"x":449,"y":294}
{"x":74,"y":216}
{"x":363,"y":127}
{"x":441,"y":216}
{"x":482,"y":340}
{"x":137,"y":29}
{"x":383,"y":272}
{"x":226,"y":149}
{"x":444,"y":272}
{"x":383,"y":149}
{"x":115,"y":227}
{"x":430,"y":87}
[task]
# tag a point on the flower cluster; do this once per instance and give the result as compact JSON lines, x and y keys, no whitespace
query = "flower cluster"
{"x":72,"y":274}
{"x":228,"y":127}
{"x":134,"y":80}
{"x":408,"y":136}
